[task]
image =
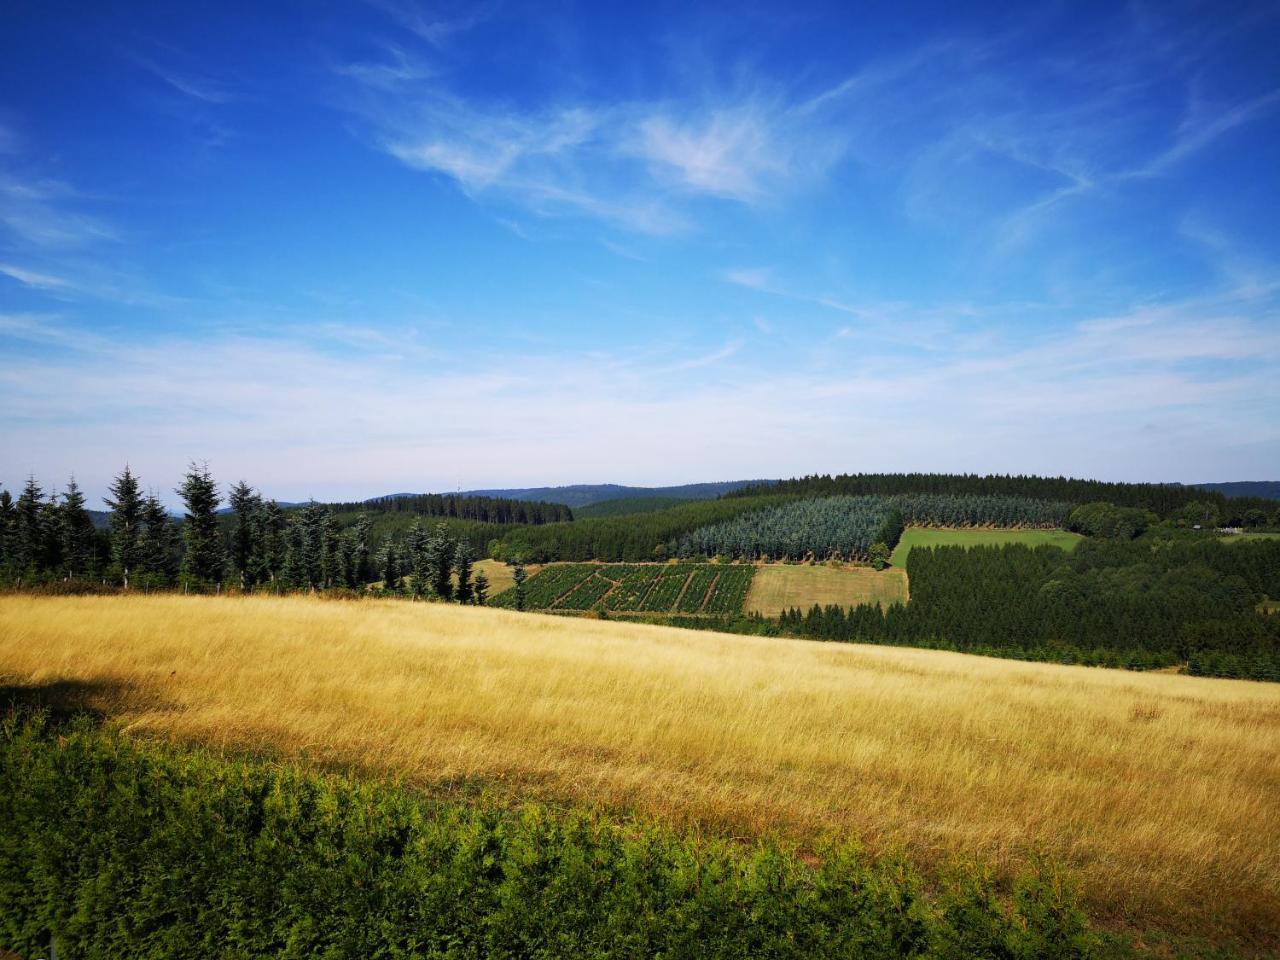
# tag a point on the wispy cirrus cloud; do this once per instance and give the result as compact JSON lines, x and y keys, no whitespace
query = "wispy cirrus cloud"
{"x":205,"y":89}
{"x":33,"y":278}
{"x":40,"y":212}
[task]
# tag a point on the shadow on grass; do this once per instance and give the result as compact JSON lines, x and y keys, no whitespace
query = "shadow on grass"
{"x":63,"y":700}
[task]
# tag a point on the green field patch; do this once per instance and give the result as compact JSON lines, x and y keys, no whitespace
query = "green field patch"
{"x":979,"y":537}
{"x":1245,"y":537}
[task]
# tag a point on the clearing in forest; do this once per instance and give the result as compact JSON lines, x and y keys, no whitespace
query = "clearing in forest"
{"x":781,"y":586}
{"x":980,"y":537}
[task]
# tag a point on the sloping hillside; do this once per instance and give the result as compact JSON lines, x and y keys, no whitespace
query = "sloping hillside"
{"x":1160,"y":791}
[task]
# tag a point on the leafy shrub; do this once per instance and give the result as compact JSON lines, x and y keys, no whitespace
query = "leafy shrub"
{"x":120,"y":849}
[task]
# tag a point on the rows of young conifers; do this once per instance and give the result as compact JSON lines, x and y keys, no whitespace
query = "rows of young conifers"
{"x":847,"y":527}
{"x":685,"y":588}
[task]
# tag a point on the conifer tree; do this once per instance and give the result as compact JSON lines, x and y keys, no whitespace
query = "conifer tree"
{"x":29,"y":531}
{"x":363,"y":570}
{"x":309,"y":544}
{"x":204,"y":556}
{"x":269,"y":533}
{"x":334,"y":550}
{"x":440,"y":551}
{"x":518,"y":577}
{"x":157,"y":544}
{"x":126,"y":523}
{"x":389,"y":561}
{"x":462,"y":564}
{"x":8,"y":519}
{"x":75,"y":530}
{"x":480,"y":589}
{"x":245,"y":546}
{"x":418,"y":557}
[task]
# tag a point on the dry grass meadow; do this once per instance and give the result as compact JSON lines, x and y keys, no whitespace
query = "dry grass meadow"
{"x":779,"y":586}
{"x":1162,"y":792}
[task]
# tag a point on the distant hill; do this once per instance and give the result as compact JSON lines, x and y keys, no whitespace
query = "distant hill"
{"x":1268,"y":489}
{"x":628,"y":506}
{"x":583,"y":494}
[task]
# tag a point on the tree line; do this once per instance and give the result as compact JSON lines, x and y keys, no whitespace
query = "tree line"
{"x":1163,"y":499}
{"x":255,"y":545}
{"x":460,"y":507}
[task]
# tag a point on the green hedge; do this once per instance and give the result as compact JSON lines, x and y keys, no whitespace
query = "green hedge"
{"x":122,"y":849}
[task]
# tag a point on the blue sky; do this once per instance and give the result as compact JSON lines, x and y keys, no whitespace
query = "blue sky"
{"x":342,"y":249}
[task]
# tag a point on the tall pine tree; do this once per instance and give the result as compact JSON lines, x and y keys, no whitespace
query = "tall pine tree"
{"x":75,"y":529}
{"x":29,"y":536}
{"x":245,"y":543}
{"x":125,"y":525}
{"x":157,"y":546}
{"x":440,"y":553}
{"x":203,"y":560}
{"x":462,"y":564}
{"x":8,"y":521}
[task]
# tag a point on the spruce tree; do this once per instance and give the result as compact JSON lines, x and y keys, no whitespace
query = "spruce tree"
{"x":29,"y":531}
{"x":419,"y":558}
{"x":480,"y":589}
{"x":8,"y":521}
{"x":157,"y":545}
{"x":75,"y":529}
{"x":125,"y":526}
{"x":389,"y":561}
{"x":363,"y":568}
{"x":310,"y":545}
{"x":334,"y":553}
{"x":440,"y":551}
{"x":462,"y":564}
{"x":204,"y":557}
{"x":245,"y":545}
{"x":518,"y":577}
{"x":270,"y":526}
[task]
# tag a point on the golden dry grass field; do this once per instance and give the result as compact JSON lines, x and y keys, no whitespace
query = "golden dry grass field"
{"x":499,"y":574}
{"x":1162,"y":792}
{"x":779,"y":586}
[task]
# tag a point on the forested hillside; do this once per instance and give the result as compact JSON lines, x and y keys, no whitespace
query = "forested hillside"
{"x":463,"y":507}
{"x":846,"y":527}
{"x":1147,"y":602}
{"x":1165,"y":500}
{"x":584,"y":494}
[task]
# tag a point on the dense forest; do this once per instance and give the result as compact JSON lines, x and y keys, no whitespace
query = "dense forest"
{"x":1150,"y":602}
{"x":646,"y":536}
{"x":256,"y":544}
{"x":1167,"y":501}
{"x":463,"y":507}
{"x":847,"y":527}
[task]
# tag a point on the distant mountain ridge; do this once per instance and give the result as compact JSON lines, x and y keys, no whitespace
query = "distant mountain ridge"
{"x":1268,"y":489}
{"x":584,"y":494}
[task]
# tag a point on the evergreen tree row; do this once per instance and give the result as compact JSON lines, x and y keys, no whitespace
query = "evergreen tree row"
{"x":1165,"y":500}
{"x":457,"y":506}
{"x":847,"y":527}
{"x":256,"y":546}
